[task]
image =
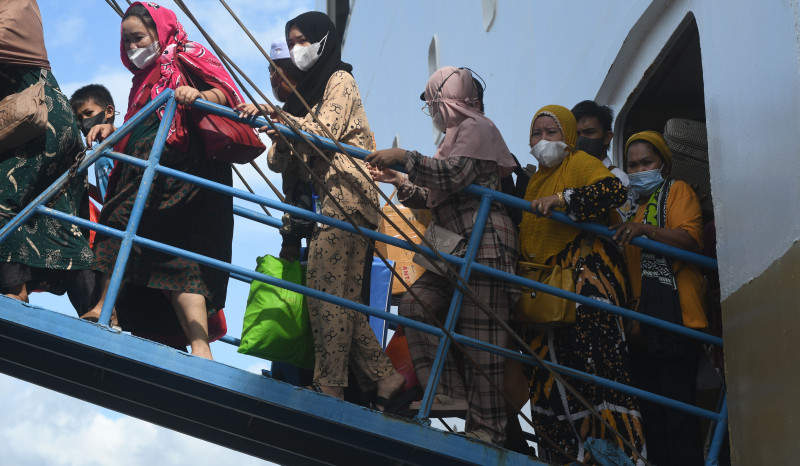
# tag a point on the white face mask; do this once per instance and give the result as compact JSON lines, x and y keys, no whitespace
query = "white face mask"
{"x":438,"y":121}
{"x":275,"y":93}
{"x":142,"y":57}
{"x":305,"y":56}
{"x":549,"y":153}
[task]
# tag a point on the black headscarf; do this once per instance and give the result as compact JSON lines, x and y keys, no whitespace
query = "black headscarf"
{"x":314,"y":25}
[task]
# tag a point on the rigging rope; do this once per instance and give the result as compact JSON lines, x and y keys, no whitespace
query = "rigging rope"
{"x":246,"y":185}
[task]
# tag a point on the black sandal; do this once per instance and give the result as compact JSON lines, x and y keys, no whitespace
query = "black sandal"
{"x":398,"y":402}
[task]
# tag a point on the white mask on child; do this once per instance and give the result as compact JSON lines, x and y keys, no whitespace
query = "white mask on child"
{"x":144,"y":56}
{"x":549,"y":153}
{"x":305,"y":56}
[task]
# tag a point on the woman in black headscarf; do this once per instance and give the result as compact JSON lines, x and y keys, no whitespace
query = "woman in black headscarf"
{"x":338,"y":262}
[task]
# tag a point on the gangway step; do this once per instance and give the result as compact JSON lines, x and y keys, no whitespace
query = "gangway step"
{"x":228,"y":406}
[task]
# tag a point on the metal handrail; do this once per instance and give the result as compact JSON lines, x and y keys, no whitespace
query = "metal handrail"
{"x":391,"y":240}
{"x":467,"y":265}
{"x":478,"y":191}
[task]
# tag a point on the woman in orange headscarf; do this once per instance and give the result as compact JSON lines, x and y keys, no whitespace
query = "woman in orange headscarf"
{"x":579,"y":185}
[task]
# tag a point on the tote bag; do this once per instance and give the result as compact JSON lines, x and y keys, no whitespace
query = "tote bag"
{"x":276,"y":325}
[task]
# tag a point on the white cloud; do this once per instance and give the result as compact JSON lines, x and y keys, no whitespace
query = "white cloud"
{"x":54,"y":429}
{"x":259,"y":366}
{"x":118,"y":83}
{"x":67,"y":27}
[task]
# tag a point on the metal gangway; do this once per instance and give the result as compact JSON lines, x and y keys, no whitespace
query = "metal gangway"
{"x":248,"y":412}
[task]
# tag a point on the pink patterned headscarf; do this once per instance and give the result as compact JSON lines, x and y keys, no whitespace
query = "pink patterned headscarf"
{"x":469,"y":133}
{"x":178,"y":55}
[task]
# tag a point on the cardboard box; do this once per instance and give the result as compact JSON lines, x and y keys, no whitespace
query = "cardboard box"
{"x":404,"y":266}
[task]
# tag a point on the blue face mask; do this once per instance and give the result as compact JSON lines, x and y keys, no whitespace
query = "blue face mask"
{"x":645,"y":183}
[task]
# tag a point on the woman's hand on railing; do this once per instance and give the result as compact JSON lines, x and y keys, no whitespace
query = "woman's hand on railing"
{"x":626,"y":231}
{"x":186,"y":95}
{"x":386,"y":176}
{"x":386,"y":158}
{"x":99,"y":132}
{"x":676,"y":237}
{"x":254,"y":110}
{"x":546,"y":205}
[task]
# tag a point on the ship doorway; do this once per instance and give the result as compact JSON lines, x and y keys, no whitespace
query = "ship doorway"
{"x":670,"y":99}
{"x":671,"y":88}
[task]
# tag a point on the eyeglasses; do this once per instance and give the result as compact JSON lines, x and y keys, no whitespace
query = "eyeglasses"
{"x":426,"y":109}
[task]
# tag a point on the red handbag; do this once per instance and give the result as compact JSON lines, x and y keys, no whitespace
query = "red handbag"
{"x":227,"y":140}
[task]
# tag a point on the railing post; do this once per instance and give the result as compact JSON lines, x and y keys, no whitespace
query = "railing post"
{"x":455,"y":308}
{"x":719,"y":434}
{"x":136,"y":211}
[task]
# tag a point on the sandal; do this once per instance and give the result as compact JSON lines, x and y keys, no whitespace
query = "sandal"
{"x":398,"y":402}
{"x":91,"y":316}
{"x":94,"y":316}
{"x":314,"y":387}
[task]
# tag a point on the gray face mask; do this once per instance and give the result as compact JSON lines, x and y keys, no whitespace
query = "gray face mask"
{"x":90,"y":122}
{"x":595,"y":147}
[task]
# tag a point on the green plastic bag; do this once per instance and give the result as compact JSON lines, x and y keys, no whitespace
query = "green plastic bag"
{"x":276,"y":325}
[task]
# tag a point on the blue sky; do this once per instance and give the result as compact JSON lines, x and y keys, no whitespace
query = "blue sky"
{"x":82,"y":39}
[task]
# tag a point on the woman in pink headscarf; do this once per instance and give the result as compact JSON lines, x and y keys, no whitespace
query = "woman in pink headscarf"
{"x":472,"y":152}
{"x":155,"y":48}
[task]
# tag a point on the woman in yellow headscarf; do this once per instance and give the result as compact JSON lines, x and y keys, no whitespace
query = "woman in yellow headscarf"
{"x":580,"y":185}
{"x":668,"y":289}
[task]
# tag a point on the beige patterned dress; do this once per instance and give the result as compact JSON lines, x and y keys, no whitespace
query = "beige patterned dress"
{"x":339,"y":262}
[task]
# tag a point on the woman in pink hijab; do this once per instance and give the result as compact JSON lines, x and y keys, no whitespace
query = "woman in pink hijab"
{"x":472,"y":152}
{"x":183,"y":296}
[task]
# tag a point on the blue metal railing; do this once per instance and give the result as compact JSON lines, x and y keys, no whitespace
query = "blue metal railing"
{"x":466,"y":265}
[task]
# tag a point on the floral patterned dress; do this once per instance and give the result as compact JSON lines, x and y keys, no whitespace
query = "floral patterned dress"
{"x":595,"y":343}
{"x":44,"y":247}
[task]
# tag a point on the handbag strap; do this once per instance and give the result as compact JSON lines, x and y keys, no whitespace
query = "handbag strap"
{"x":533,"y":265}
